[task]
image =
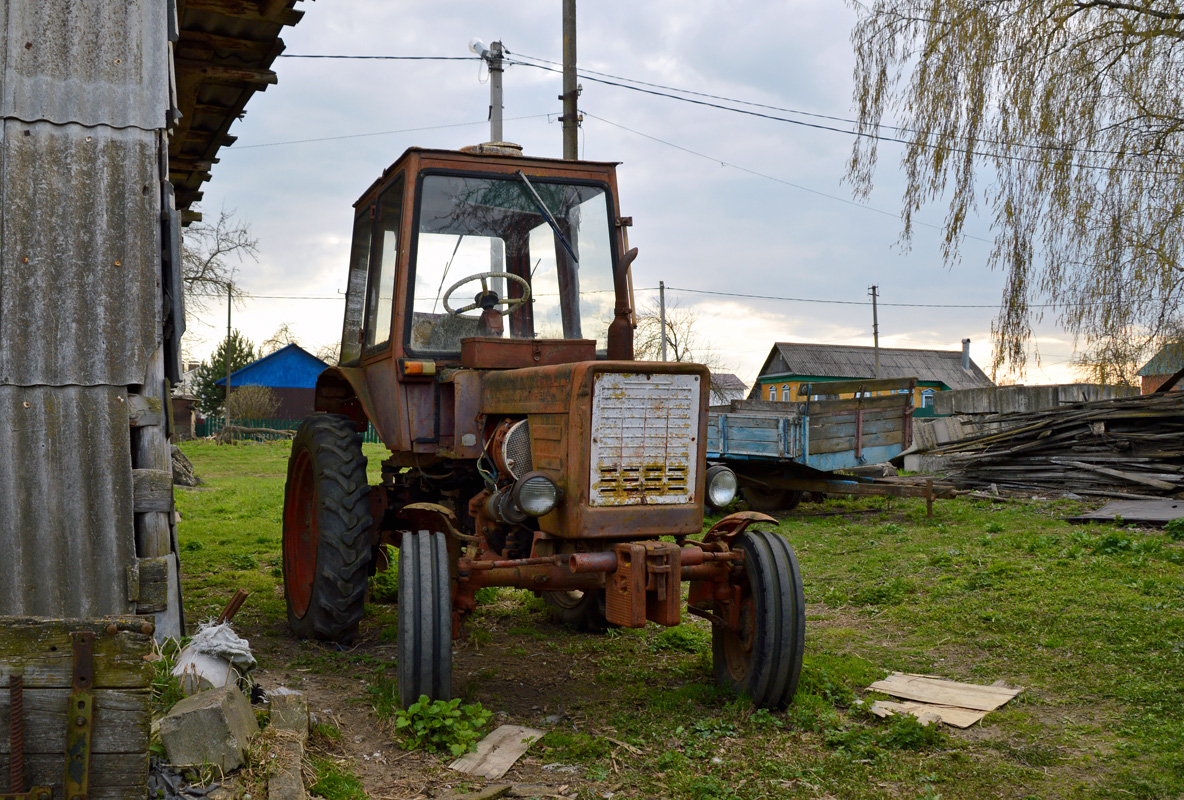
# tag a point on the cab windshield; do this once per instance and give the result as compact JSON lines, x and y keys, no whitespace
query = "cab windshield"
{"x":485,"y":243}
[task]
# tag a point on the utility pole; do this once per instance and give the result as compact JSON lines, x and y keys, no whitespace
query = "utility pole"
{"x":229,"y":306}
{"x":495,"y":91}
{"x":662,"y":314}
{"x":571,"y":92}
{"x":875,"y":328}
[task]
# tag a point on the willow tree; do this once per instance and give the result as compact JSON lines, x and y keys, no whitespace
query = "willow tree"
{"x":1059,"y":119}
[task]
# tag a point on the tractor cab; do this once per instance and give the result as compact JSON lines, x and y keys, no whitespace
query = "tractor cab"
{"x":488,"y":338}
{"x":449,"y":246}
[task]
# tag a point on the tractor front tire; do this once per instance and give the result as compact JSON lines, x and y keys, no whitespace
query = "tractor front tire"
{"x":425,"y":617}
{"x":763,"y":658}
{"x":326,"y":547}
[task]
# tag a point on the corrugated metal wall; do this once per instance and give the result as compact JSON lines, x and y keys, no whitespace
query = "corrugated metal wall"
{"x":65,"y":503}
{"x":83,"y":95}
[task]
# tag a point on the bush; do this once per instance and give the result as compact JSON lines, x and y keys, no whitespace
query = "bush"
{"x":253,"y":402}
{"x":442,"y":725}
{"x":1175,"y":530}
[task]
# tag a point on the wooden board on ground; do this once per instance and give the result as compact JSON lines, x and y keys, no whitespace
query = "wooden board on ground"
{"x":497,"y":752}
{"x":927,"y":713}
{"x":1156,"y":511}
{"x":927,"y":689}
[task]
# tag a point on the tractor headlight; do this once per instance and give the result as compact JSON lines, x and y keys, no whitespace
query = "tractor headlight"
{"x":721,"y":486}
{"x":535,"y":494}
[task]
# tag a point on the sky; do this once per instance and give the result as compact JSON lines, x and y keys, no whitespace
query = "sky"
{"x":722,"y":203}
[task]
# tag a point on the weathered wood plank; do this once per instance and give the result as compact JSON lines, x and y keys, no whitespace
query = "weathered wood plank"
{"x":121,"y":721}
{"x":928,"y":689}
{"x":845,"y":429}
{"x":898,"y":401}
{"x":142,"y":411}
{"x":848,"y":443}
{"x":41,"y":651}
{"x":152,"y":584}
{"x":112,"y":776}
{"x":497,"y":752}
{"x":860,"y":385}
{"x":152,"y":490}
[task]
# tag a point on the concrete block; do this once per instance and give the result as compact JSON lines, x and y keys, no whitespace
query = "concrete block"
{"x":289,"y":711}
{"x":211,"y":727}
{"x":284,"y":778}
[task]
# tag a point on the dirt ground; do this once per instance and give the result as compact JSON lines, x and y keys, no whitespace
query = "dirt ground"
{"x":535,"y":690}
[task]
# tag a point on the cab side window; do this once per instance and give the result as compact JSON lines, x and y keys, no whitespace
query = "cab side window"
{"x":380,"y":301}
{"x":355,"y":292}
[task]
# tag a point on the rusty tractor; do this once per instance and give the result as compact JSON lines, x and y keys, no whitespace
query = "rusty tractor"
{"x":488,"y":338}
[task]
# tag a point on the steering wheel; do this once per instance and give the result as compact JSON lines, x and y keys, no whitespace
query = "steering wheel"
{"x":510,"y":303}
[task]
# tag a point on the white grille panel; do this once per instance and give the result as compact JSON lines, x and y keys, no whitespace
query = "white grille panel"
{"x":643,"y":439}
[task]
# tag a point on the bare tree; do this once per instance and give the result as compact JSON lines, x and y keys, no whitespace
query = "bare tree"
{"x":1065,"y":120}
{"x":210,"y":253}
{"x":684,"y":339}
{"x":282,"y":337}
{"x":329,"y":353}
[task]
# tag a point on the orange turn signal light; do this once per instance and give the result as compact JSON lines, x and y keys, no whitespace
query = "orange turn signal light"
{"x":419,"y":367}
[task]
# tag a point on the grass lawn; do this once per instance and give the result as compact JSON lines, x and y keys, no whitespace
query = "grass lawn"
{"x":1088,"y":620}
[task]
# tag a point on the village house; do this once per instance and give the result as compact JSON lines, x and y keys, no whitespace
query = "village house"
{"x":792,"y":364}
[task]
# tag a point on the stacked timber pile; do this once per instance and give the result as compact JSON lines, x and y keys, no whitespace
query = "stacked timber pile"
{"x":1125,"y":447}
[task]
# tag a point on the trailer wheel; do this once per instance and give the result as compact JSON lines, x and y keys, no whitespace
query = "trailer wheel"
{"x":425,"y":618}
{"x":763,"y":659}
{"x":769,"y":500}
{"x":582,"y":610}
{"x":326,"y":534}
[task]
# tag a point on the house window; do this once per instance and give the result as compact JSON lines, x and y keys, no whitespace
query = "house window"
{"x":927,"y":398}
{"x":785,"y":393}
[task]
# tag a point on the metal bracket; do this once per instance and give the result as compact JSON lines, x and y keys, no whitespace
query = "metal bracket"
{"x":80,"y":717}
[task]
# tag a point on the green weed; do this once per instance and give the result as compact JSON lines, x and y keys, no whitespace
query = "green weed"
{"x":333,"y":780}
{"x":441,"y":725}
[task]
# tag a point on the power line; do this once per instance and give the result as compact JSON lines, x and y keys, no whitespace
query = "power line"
{"x":382,"y":58}
{"x":380,"y":133}
{"x":771,"y":177}
{"x":843,"y":302}
{"x":1059,"y":148}
{"x":846,"y":132}
{"x":651,"y":88}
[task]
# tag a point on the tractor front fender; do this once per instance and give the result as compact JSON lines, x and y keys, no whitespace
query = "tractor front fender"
{"x":343,"y":390}
{"x":734,"y":524}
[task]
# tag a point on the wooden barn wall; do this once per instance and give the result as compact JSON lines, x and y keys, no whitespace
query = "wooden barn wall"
{"x":84,"y":90}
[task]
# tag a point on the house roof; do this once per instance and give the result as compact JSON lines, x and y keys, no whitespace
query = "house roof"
{"x":1168,"y":361}
{"x":290,"y":367}
{"x":223,"y":55}
{"x":851,"y":361}
{"x":727,"y":382}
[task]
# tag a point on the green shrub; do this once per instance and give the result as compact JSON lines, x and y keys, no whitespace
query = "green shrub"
{"x":384,"y":586}
{"x":682,"y":638}
{"x":166,"y":687}
{"x":1175,"y":530}
{"x":442,"y":725}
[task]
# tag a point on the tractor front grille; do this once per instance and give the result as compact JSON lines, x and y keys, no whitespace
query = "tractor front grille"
{"x":643,"y":449}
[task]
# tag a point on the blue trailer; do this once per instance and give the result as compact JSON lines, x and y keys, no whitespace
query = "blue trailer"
{"x":779,"y":450}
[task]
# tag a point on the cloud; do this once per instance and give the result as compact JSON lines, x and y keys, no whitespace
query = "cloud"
{"x":698,"y":224}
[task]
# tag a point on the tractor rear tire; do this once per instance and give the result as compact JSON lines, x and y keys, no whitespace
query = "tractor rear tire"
{"x":582,"y":610}
{"x":764,"y":658}
{"x":425,"y":618}
{"x":326,"y":540}
{"x":768,"y":501}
